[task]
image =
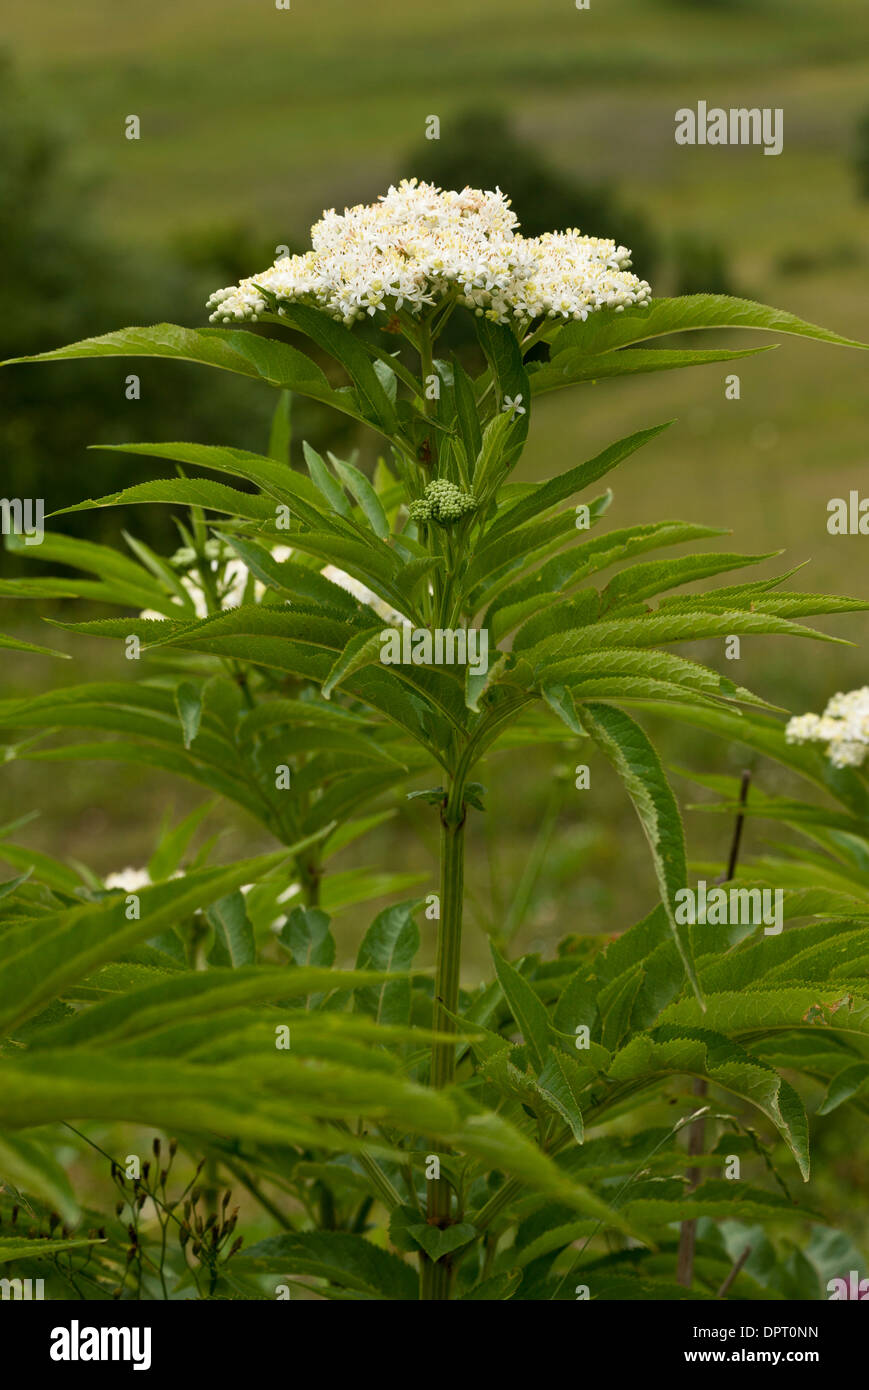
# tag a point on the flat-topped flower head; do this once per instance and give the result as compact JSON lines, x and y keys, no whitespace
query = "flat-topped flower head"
{"x":844,"y":727}
{"x":419,"y":245}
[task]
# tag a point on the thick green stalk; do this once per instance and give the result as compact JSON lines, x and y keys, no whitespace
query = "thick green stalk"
{"x":437,"y":1277}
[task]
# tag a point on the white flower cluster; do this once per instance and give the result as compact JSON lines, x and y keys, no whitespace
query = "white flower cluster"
{"x":233,"y":584}
{"x":844,"y":727}
{"x":419,"y":245}
{"x":131,"y":880}
{"x":235,"y":580}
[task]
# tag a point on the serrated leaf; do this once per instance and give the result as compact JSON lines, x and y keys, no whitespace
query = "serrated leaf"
{"x":349,"y":1261}
{"x":233,"y":350}
{"x":681,"y":1046}
{"x":234,"y":943}
{"x":561,"y":1082}
{"x":570,"y":366}
{"x":604,"y":332}
{"x":638,"y":765}
{"x":554,"y":490}
{"x":390,"y":944}
{"x":526,"y":1007}
{"x":40,"y":1247}
{"x":32,"y":1169}
{"x":362,"y":649}
{"x":307,"y":937}
{"x":14,"y":644}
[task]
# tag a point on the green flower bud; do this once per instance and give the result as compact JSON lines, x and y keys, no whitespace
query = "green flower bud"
{"x":441,"y":503}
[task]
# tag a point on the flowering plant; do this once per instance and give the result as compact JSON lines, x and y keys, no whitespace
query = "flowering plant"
{"x":844,"y":727}
{"x":453,"y":1119}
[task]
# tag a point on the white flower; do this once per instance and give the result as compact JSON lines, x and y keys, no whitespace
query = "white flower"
{"x":419,"y":245}
{"x":131,"y":880}
{"x":844,"y":727}
{"x":234,"y":584}
{"x":514,"y":405}
{"x":231,"y":593}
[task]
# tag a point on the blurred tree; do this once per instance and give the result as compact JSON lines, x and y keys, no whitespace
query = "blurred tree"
{"x":482,"y":149}
{"x":60,"y":280}
{"x":700,"y":266}
{"x":225,"y":252}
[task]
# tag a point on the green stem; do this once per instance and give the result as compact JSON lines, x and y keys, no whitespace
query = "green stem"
{"x":437,"y":1276}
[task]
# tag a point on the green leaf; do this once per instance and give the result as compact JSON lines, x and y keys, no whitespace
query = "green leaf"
{"x":492,"y":1138}
{"x":30,"y":1168}
{"x":561,"y":1083}
{"x":286,"y":486}
{"x":604,"y":332}
{"x":683,"y":1047}
{"x":139,"y":1018}
{"x":39,"y":1247}
{"x":390,"y":944}
{"x":504,"y":356}
{"x":96,"y":559}
{"x":763,"y":1012}
{"x":658,"y":1203}
{"x":360,"y":651}
{"x":573,"y":365}
{"x":307,"y":937}
{"x":767,"y":736}
{"x":281,"y":432}
{"x":192,"y":492}
{"x":359,"y":487}
{"x":489,"y":466}
{"x":170,"y":851}
{"x":554,"y":490}
{"x":653,"y":577}
{"x":527,"y":1009}
{"x":341,"y":344}
{"x":232,"y":350}
{"x":349,"y":1261}
{"x":408,"y":1231}
{"x":14,"y":644}
{"x":322,"y":479}
{"x":851,"y":1083}
{"x":43,"y":867}
{"x":188,"y":701}
{"x":638,"y":765}
{"x":468,"y":414}
{"x":72,"y":942}
{"x":560,"y":701}
{"x":234,"y":943}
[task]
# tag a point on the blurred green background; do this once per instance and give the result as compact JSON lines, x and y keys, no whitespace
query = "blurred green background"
{"x":253,"y":119}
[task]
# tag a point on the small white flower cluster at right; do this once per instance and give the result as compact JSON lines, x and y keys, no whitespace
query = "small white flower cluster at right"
{"x":844,"y":727}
